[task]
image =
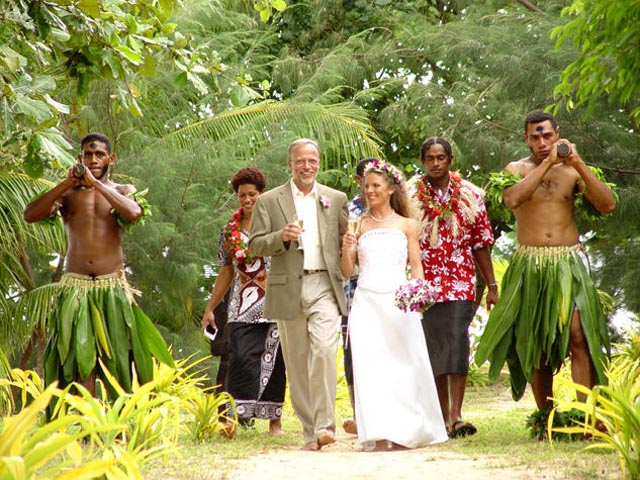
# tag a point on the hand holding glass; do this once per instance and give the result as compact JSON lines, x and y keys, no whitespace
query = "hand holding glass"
{"x":352,"y":227}
{"x":299,"y":222}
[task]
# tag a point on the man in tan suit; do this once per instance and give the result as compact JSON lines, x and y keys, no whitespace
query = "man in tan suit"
{"x":304,"y":286}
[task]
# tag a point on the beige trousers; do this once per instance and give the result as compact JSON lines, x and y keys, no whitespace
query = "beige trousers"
{"x":309,"y":346}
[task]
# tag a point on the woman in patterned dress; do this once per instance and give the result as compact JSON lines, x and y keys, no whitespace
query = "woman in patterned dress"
{"x":256,"y":377}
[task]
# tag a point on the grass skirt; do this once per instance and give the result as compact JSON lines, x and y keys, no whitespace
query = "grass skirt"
{"x":530,"y":325}
{"x":93,"y":318}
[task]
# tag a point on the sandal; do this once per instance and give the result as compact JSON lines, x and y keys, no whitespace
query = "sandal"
{"x":461,"y":429}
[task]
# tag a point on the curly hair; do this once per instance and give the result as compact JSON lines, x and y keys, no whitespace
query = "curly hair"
{"x":251,"y":176}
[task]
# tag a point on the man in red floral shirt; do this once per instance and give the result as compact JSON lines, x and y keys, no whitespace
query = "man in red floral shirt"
{"x":454,"y":232}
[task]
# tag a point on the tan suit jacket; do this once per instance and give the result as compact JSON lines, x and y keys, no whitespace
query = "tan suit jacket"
{"x":271,"y":212}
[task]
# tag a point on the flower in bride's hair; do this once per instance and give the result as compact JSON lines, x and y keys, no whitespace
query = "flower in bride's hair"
{"x":324,"y":201}
{"x":379,"y":166}
{"x":415,"y":296}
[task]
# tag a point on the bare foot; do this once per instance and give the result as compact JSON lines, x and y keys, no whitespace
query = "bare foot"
{"x":382,"y":446}
{"x":275,"y":427}
{"x":228,"y":430}
{"x":310,"y":447}
{"x":397,"y":446}
{"x":325,"y":438}
{"x":350,"y":426}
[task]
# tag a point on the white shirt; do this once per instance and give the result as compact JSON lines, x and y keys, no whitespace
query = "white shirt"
{"x":307,"y":210}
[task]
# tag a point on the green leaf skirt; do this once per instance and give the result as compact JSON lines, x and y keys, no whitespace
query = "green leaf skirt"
{"x":530,"y":324}
{"x":95,"y":318}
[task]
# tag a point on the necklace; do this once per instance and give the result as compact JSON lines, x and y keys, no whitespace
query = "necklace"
{"x":433,"y":204}
{"x":381,"y":220}
{"x":233,"y":234}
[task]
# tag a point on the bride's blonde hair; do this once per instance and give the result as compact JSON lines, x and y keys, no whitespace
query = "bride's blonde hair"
{"x":400,"y":199}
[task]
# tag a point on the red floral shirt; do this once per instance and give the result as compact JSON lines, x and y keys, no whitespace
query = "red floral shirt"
{"x":449,"y":266}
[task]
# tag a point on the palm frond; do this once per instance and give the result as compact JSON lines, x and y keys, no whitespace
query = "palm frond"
{"x":343,"y":127}
{"x":16,"y":190}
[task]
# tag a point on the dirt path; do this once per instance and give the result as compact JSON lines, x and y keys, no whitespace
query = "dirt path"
{"x":476,"y":458}
{"x":344,"y":460}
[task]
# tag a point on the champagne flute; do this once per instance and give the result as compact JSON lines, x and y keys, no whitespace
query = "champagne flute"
{"x":352,"y":225}
{"x":299,"y":222}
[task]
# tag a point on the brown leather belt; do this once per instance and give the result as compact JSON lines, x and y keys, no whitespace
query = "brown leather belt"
{"x":311,"y":272}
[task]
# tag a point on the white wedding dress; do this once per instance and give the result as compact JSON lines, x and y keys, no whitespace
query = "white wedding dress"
{"x":395,"y":393}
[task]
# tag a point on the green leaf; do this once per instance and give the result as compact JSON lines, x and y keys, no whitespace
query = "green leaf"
{"x":59,"y":107}
{"x":151,"y":337}
{"x":279,"y":5}
{"x":60,"y":35}
{"x":239,"y":96}
{"x":85,"y":342}
{"x":53,"y":143}
{"x":197,"y":82}
{"x":12,"y":59}
{"x":133,"y":107}
{"x":65,"y":323}
{"x":148,"y":68}
{"x":119,"y":341}
{"x":36,"y":109}
{"x":90,"y":7}
{"x":131,"y":55}
{"x":99,"y":328}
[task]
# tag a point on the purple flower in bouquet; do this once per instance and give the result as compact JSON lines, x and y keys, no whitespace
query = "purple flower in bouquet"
{"x":415,"y":296}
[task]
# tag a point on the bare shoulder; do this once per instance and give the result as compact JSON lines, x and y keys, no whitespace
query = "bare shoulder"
{"x":522,"y":166}
{"x":410,"y":226}
{"x":123,"y":188}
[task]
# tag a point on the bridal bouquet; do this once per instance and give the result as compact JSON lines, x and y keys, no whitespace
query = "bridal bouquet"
{"x":415,"y":296}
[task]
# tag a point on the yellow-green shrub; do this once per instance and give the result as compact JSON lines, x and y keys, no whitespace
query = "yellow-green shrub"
{"x":612,"y":412}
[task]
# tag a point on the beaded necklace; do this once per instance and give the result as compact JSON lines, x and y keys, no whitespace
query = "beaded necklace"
{"x":232,"y":233}
{"x":381,"y":220}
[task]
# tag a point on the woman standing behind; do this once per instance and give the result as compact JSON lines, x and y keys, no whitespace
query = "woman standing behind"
{"x":388,"y":346}
{"x":256,"y":377}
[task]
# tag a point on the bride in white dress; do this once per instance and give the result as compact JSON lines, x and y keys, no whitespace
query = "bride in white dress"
{"x":396,"y":400}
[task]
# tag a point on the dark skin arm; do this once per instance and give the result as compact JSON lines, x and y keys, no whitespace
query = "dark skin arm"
{"x":596,"y":192}
{"x":483,"y":259}
{"x":48,"y":203}
{"x":93,"y":233}
{"x":220,"y":287}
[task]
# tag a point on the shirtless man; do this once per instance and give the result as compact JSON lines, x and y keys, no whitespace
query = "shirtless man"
{"x":547,"y":287}
{"x":95,"y":211}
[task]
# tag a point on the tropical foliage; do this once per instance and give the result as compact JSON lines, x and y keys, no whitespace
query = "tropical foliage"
{"x":365,"y":78}
{"x":607,"y":33}
{"x":87,"y":437}
{"x":611,"y":412}
{"x":53,"y":51}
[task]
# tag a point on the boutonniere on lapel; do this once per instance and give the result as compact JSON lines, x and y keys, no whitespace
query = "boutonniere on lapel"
{"x":324,"y":201}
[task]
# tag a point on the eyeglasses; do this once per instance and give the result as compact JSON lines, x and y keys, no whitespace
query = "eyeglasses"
{"x":311,"y":162}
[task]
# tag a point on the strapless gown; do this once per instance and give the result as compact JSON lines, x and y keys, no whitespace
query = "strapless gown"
{"x":395,"y":392}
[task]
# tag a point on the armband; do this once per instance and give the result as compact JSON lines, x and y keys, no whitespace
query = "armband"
{"x":496,"y":209}
{"x":585,"y":211}
{"x":144,"y":205}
